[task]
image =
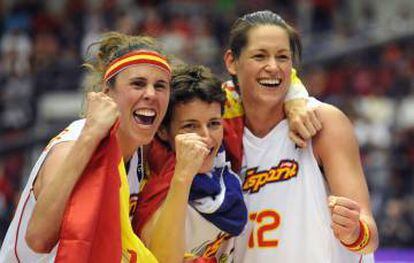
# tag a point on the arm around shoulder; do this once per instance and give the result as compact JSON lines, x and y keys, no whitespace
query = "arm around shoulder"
{"x":336,"y":149}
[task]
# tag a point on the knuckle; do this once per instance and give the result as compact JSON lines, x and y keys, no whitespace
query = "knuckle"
{"x":295,"y":122}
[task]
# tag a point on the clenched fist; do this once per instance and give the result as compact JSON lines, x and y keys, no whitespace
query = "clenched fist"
{"x":191,"y":151}
{"x":101,"y":113}
{"x":345,"y":218}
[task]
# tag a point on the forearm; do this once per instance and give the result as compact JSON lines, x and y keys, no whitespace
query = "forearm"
{"x":167,"y":240}
{"x":346,"y":181}
{"x":44,"y":226}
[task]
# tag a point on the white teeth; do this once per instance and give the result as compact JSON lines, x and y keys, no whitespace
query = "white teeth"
{"x":270,"y":81}
{"x":145,"y":112}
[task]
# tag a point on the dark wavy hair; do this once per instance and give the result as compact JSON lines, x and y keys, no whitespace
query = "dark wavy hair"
{"x":193,"y":82}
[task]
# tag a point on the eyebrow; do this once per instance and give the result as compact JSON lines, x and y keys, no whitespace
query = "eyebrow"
{"x":189,"y":120}
{"x":145,"y":79}
{"x":137,"y":78}
{"x":264,"y":50}
{"x":194,"y":120}
{"x":162,"y":81}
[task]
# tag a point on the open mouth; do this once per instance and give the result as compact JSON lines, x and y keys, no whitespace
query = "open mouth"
{"x":145,"y":116}
{"x":270,"y":83}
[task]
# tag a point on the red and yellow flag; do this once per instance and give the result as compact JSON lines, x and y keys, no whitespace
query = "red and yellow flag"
{"x":96,"y":225}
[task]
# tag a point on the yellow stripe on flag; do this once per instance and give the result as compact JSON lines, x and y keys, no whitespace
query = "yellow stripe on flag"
{"x":133,"y":250}
{"x":234,"y":107}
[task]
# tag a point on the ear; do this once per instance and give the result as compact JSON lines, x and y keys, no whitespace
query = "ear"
{"x":163,"y":134}
{"x":230,"y":62}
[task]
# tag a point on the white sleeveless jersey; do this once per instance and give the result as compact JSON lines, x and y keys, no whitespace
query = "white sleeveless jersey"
{"x":286,"y":196}
{"x":15,"y":248}
{"x":204,"y":239}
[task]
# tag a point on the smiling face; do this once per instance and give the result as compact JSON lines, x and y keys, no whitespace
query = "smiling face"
{"x":197,"y":116}
{"x":142,"y":92}
{"x":263,"y":67}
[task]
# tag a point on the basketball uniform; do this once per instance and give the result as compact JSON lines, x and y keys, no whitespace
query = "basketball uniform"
{"x":286,"y":196}
{"x":15,"y":248}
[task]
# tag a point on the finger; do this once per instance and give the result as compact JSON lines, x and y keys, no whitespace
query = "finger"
{"x":315,"y":120}
{"x":309,"y":126}
{"x":342,"y":221}
{"x":332,"y":201}
{"x":346,"y":202}
{"x":340,"y":231}
{"x":297,"y":140}
{"x":190,"y":136}
{"x":195,"y":142}
{"x":302,"y":130}
{"x":353,"y":215}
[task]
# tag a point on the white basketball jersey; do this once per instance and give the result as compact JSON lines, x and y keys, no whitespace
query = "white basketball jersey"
{"x":205,"y":239}
{"x":286,"y":196}
{"x":15,"y":248}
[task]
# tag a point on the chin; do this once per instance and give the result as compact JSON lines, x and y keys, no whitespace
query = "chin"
{"x":207,"y":167}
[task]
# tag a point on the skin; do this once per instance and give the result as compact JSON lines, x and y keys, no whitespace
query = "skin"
{"x":140,"y":87}
{"x":137,"y":87}
{"x":201,"y":118}
{"x":195,"y":132}
{"x":267,"y":56}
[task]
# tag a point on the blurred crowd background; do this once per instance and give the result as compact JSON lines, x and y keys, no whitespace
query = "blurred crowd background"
{"x":358,"y":55}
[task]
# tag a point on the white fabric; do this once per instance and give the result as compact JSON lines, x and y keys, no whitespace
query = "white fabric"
{"x":291,"y":217}
{"x":201,"y":236}
{"x":296,"y":91}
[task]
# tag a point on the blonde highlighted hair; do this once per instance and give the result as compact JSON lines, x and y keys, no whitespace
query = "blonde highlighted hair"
{"x":111,"y":46}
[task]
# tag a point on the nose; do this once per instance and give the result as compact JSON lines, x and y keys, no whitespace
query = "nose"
{"x":272,"y":64}
{"x":204,"y":132}
{"x":149,"y":92}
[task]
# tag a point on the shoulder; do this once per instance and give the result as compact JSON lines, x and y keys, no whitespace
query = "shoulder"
{"x":337,"y":131}
{"x":331,"y":115}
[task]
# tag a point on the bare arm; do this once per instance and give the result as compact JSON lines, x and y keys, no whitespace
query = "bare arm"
{"x":337,"y":150}
{"x":62,"y":169}
{"x":303,"y":121}
{"x":164,"y":233}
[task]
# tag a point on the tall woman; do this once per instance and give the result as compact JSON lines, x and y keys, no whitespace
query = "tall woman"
{"x":305,"y":205}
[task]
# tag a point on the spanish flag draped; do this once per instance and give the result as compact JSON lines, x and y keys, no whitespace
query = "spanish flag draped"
{"x":96,"y":225}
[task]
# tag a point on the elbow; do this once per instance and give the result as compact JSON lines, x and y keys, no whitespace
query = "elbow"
{"x":38,"y":243}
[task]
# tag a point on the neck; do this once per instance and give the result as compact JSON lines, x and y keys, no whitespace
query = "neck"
{"x":127,"y":149}
{"x":261,"y":119}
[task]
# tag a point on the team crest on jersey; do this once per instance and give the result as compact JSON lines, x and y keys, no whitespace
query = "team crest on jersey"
{"x":255,"y":180}
{"x":209,"y":249}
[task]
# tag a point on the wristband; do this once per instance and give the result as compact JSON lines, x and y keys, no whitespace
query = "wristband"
{"x":362,"y":240}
